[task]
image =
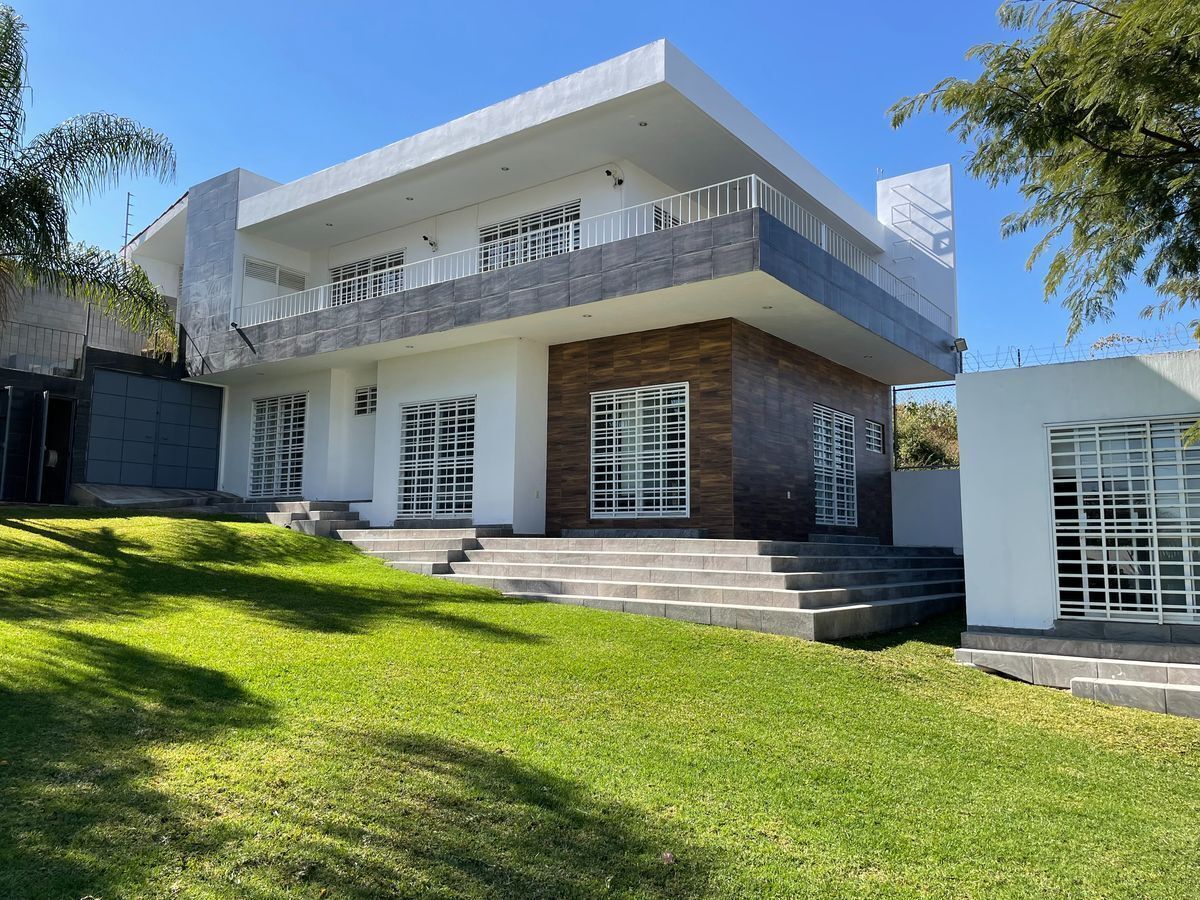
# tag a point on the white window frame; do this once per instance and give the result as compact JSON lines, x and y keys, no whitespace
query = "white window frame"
{"x":375,"y":276}
{"x":366,"y":400}
{"x":533,"y":236}
{"x":873,"y":436}
{"x":432,"y":460}
{"x":276,"y":467}
{"x":835,"y":479}
{"x":1125,"y":520}
{"x":641,"y":467}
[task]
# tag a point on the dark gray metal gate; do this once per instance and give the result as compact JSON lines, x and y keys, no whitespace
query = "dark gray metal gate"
{"x":153,"y":433}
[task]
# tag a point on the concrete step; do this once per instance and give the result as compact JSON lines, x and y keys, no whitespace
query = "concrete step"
{"x":411,"y":534}
{"x":431,"y":567}
{"x":323,"y":527}
{"x":1133,"y":651}
{"x":752,"y":596}
{"x":384,"y":546}
{"x":1155,"y":696}
{"x":830,"y":624}
{"x":843,"y":539}
{"x":420,"y":556}
{"x":1058,"y":670}
{"x":734,"y":578}
{"x":704,"y":546}
{"x":725,"y":561}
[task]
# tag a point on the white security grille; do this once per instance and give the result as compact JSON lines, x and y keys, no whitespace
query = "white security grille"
{"x":365,"y":400}
{"x":833,"y":467}
{"x":874,"y":436}
{"x":374,"y":277}
{"x":1126,"y":501}
{"x":277,"y":446}
{"x":640,"y":453}
{"x":437,"y":459}
{"x":260,"y":270}
{"x":533,"y":236}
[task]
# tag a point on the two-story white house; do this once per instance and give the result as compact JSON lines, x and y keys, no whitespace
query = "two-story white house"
{"x":616,"y":301}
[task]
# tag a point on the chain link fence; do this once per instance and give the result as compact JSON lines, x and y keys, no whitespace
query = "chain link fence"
{"x":925,"y":427}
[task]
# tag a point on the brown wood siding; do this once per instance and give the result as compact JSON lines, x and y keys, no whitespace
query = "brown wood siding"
{"x":699,"y":354}
{"x":775,"y":384}
{"x":750,"y":428}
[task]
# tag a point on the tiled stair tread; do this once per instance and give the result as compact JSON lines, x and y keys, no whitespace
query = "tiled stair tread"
{"x":710,"y":546}
{"x":761,"y":590}
{"x":1161,"y":685}
{"x":568,"y":565}
{"x":1055,"y":670}
{"x":722,"y":556}
{"x":824,"y":611}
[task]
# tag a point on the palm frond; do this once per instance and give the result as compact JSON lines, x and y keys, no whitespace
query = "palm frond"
{"x":115,"y":286}
{"x":88,"y":153}
{"x":12,"y":83}
{"x":33,"y":218}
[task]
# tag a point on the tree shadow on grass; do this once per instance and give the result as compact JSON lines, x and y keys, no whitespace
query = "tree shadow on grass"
{"x":424,"y":816}
{"x":79,"y":813}
{"x":271,"y":572}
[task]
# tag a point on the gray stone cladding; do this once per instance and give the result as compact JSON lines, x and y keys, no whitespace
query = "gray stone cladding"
{"x":729,"y":245}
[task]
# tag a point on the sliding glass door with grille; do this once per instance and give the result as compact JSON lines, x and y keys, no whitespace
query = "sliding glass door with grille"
{"x":833,"y":467}
{"x":437,"y":460}
{"x":277,"y":446}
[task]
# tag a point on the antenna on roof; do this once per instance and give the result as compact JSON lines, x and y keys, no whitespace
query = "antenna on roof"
{"x":128,"y":220}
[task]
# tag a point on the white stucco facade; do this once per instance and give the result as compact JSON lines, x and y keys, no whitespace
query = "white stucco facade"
{"x":1006,"y":485}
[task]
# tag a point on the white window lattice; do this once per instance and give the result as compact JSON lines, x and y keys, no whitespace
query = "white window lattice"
{"x":277,"y":446}
{"x":364,"y":278}
{"x":365,"y":400}
{"x":1126,"y":499}
{"x":529,"y":237}
{"x":640,"y":453}
{"x":286,"y":280}
{"x":833,"y":467}
{"x":873,"y":436}
{"x":437,"y":459}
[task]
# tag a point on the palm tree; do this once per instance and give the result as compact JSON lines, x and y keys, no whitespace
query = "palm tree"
{"x":41,"y":178}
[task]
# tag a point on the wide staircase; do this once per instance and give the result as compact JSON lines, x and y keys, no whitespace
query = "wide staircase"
{"x":824,"y":589}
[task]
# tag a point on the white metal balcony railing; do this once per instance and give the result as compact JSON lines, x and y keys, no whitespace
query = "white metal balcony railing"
{"x":747,"y":192}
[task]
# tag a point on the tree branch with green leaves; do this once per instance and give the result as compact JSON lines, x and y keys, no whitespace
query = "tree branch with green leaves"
{"x":1093,"y":111}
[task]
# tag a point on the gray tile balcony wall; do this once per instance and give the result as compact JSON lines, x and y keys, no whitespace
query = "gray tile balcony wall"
{"x":729,"y":245}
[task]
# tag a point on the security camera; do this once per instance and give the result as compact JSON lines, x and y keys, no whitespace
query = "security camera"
{"x":617,"y":177}
{"x":432,"y":243}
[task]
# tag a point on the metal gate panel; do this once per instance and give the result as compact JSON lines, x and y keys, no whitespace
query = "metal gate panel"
{"x":152,"y":432}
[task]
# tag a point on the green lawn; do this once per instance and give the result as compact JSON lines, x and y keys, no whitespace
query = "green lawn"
{"x":199,"y":708}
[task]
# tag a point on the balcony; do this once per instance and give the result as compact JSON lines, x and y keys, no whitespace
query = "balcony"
{"x":738,"y":195}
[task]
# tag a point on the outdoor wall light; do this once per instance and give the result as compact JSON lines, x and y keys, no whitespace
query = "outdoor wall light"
{"x":959,"y":345}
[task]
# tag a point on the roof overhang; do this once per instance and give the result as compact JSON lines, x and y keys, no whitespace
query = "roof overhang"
{"x":163,"y":239}
{"x":696,"y":134}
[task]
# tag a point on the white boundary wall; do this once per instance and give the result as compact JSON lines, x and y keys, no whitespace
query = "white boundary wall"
{"x":1002,"y":419}
{"x":927,"y":508}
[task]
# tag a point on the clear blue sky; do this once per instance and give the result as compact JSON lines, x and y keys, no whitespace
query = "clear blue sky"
{"x":285,"y":89}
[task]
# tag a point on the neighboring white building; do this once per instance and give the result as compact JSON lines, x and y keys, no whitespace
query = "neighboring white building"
{"x":1081,"y":502}
{"x":430,"y":329}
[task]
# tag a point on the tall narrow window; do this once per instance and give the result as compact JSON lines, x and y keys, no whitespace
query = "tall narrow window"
{"x":365,"y":400}
{"x":874,"y":437}
{"x":833,"y":467}
{"x":640,"y":453}
{"x":437,"y":459}
{"x":529,"y":237}
{"x":1126,"y":501}
{"x":374,"y":277}
{"x":277,"y":446}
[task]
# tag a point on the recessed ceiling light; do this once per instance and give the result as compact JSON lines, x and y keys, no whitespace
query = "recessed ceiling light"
{"x":504,"y":168}
{"x":768,"y":307}
{"x":587,"y":315}
{"x":868,"y":356}
{"x":408,"y":198}
{"x":408,"y":346}
{"x":328,"y":224}
{"x":642,"y":124}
